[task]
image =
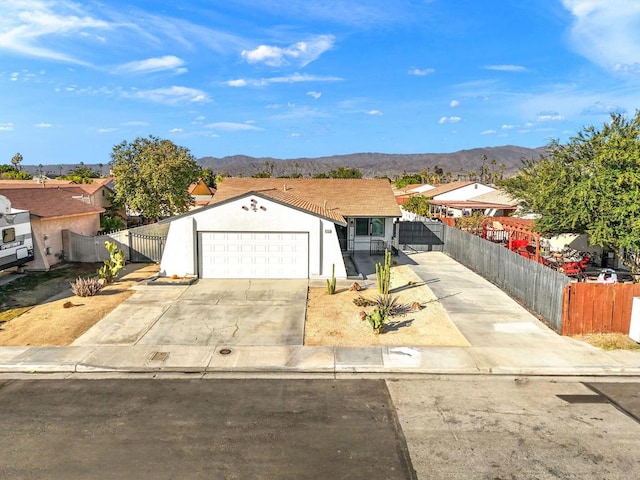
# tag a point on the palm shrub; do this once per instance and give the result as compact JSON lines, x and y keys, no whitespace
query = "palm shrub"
{"x":109,"y":271}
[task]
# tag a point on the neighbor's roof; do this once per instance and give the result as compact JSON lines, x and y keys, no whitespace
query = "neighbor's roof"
{"x":497,"y":196}
{"x":343,"y":197}
{"x":446,"y":187}
{"x":69,"y":185}
{"x":48,"y":202}
{"x":472,"y":204}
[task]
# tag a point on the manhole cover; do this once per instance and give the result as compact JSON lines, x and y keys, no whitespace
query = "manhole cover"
{"x":224,"y":351}
{"x":159,"y":356}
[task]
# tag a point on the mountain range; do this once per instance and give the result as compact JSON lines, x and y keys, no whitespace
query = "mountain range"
{"x":370,"y":164}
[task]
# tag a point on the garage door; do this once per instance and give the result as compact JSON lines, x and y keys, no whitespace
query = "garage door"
{"x":253,"y":255}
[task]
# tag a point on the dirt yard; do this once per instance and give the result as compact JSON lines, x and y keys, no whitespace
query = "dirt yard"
{"x":49,"y":322}
{"x":334,"y":320}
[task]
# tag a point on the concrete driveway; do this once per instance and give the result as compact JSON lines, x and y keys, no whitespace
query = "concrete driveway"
{"x":209,"y":312}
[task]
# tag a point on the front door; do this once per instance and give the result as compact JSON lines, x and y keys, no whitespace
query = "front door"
{"x":342,"y":237}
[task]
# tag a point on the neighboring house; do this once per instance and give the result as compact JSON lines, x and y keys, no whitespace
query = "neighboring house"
{"x":201,"y":193}
{"x":459,"y":198}
{"x":408,"y":191}
{"x":281,"y":228}
{"x":52,"y":211}
{"x":96,"y":193}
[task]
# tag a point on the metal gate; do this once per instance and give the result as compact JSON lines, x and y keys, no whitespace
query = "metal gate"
{"x":146,"y":248}
{"x":421,"y":236}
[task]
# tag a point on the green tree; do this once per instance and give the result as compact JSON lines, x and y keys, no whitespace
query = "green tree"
{"x":80,"y":174}
{"x":590,"y":185}
{"x":9,"y":172}
{"x":152,"y":176}
{"x":208,"y":177}
{"x":345,"y":172}
{"x":16,"y":160}
{"x":418,"y":204}
{"x":408,"y":179}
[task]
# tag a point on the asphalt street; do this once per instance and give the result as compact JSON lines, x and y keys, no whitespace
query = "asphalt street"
{"x":427,"y":427}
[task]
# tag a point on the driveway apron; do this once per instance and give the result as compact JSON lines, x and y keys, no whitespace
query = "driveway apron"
{"x":209,"y":312}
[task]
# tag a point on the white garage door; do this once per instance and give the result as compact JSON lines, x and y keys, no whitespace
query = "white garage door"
{"x":253,"y":255}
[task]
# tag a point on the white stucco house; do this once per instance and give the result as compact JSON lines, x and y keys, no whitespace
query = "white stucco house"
{"x":281,"y":228}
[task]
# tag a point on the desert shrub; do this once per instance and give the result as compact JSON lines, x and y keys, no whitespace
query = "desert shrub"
{"x":86,"y":287}
{"x":331,"y":284}
{"x":360,"y":301}
{"x":390,"y":305}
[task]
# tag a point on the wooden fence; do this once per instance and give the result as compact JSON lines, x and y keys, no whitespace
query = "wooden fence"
{"x":597,"y":307}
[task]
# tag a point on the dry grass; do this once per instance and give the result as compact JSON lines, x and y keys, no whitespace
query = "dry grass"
{"x":47,"y":313}
{"x":609,"y":341}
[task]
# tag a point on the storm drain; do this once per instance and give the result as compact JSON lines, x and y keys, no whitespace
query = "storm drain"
{"x":159,"y":356}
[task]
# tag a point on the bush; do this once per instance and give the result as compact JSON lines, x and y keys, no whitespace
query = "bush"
{"x":86,"y":287}
{"x":109,"y":271}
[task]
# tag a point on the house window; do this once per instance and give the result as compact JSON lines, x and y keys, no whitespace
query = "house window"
{"x":8,"y":235}
{"x":362,"y":226}
{"x":377,"y":227}
{"x":372,"y":226}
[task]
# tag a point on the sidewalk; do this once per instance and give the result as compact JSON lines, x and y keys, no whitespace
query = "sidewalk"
{"x":505,"y":339}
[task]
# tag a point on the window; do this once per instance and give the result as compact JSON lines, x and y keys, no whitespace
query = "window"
{"x":8,"y":235}
{"x":362,"y":226}
{"x":373,"y":226}
{"x":377,"y":227}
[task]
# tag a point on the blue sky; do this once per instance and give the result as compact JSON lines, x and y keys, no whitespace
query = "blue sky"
{"x":308,"y":78}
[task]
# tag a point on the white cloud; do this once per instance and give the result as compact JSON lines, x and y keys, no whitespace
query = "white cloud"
{"x":237,"y":83}
{"x":506,"y":68}
{"x":26,"y":27}
{"x":454,"y":103}
{"x":6,"y":127}
{"x":300,"y":53}
{"x":607,"y":32}
{"x":295,"y":135}
{"x":374,"y":112}
{"x":157,"y":64}
{"x":421,"y":72}
{"x":507,"y":126}
{"x":600,"y":108}
{"x":452,"y":119}
{"x":171,"y":95}
{"x":231,"y":126}
{"x":315,"y":95}
{"x":488,"y":132}
{"x":549,"y":117}
{"x":175,"y":130}
{"x":43,"y":125}
{"x":106,"y":130}
{"x":294,"y":78}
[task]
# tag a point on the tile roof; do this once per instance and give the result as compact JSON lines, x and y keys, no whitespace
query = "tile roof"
{"x":343,"y":197}
{"x":48,"y":202}
{"x":446,"y":187}
{"x":78,"y":188}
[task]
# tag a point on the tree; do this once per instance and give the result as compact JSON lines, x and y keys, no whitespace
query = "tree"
{"x":345,"y":172}
{"x":80,"y":174}
{"x":152,"y":176}
{"x":418,"y":204}
{"x":590,"y":185}
{"x":16,"y":160}
{"x":408,"y":179}
{"x":9,"y":172}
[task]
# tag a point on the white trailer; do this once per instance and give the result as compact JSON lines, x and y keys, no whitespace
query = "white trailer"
{"x":16,"y":239}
